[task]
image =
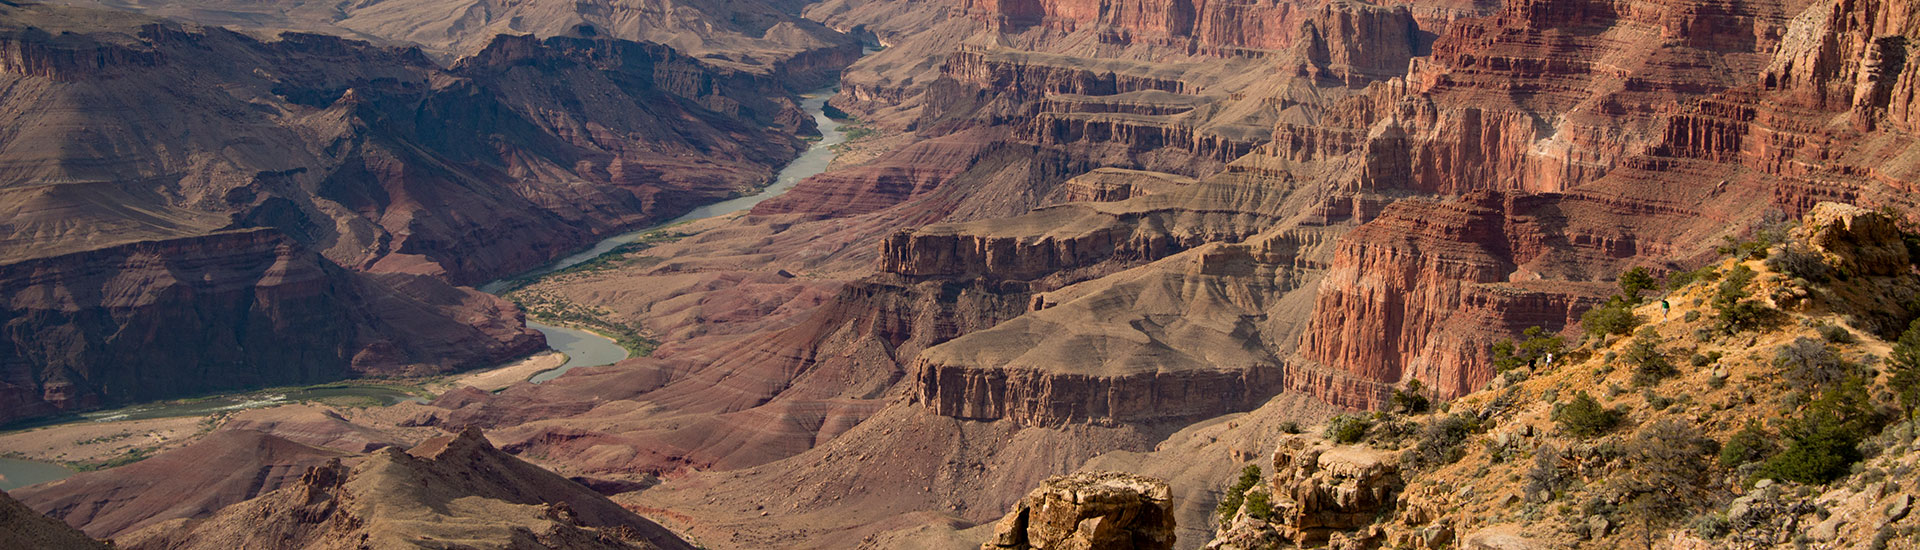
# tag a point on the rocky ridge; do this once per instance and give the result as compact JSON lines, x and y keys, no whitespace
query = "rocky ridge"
{"x":455,"y":488}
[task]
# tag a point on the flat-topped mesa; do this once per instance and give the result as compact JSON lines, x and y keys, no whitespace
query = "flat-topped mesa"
{"x":1028,"y":76}
{"x":35,"y":53}
{"x":1035,"y":397}
{"x":1115,"y":184}
{"x":731,"y":92}
{"x":952,"y":252}
{"x":1140,"y":134}
{"x":1110,"y":510}
{"x":1210,"y":27}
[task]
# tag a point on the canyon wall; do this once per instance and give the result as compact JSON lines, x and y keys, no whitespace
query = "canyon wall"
{"x":232,"y":310}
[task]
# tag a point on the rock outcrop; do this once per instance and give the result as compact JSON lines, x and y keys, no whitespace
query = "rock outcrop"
{"x":1320,"y":487}
{"x":1089,"y":510}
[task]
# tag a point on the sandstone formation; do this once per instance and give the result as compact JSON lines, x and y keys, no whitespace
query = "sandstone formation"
{"x":1089,"y":510}
{"x":453,"y":489}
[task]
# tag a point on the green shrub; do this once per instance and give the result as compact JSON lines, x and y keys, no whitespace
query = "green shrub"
{"x":1290,"y":427}
{"x":1412,"y":399}
{"x":1824,"y":441}
{"x":1583,"y":417}
{"x":1712,"y":526}
{"x":1735,"y":312}
{"x":1667,"y":470}
{"x":1259,"y":506}
{"x":1348,"y":428}
{"x":1649,"y":365}
{"x":1750,"y":444}
{"x":1706,"y":273}
{"x":1903,"y":378}
{"x":1546,"y":477}
{"x":1634,"y":281}
{"x":1764,"y":237}
{"x":1615,"y":317}
{"x":1836,"y":334}
{"x":1656,"y":401}
{"x":1237,"y":493}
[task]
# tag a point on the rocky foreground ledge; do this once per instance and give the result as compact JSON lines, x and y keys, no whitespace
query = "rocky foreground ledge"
{"x":1109,"y":510}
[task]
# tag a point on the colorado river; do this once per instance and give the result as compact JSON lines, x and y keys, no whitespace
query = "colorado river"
{"x":586,"y":349}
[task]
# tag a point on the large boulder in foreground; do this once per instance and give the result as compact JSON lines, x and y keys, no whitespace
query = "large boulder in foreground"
{"x":1856,"y":240}
{"x":1088,"y":510}
{"x":1321,"y":488}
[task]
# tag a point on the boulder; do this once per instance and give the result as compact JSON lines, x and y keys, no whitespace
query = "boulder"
{"x":1320,"y":488}
{"x":1088,"y":510}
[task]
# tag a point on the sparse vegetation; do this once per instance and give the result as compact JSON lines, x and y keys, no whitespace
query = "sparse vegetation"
{"x":1443,"y":441}
{"x":1808,"y":364}
{"x":1546,"y":477}
{"x":1537,"y":344}
{"x":1615,"y":317}
{"x":1668,"y":468}
{"x":1836,"y":334}
{"x":1904,"y":373}
{"x":1678,"y":280}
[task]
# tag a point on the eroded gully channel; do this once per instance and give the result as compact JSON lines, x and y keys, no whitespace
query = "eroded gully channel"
{"x":582,"y":348}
